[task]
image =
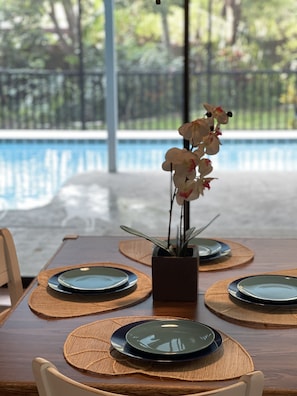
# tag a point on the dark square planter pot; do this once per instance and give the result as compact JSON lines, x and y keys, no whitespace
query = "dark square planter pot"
{"x":175,"y":278}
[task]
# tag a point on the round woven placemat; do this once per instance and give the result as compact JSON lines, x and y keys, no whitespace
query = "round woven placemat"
{"x":88,"y":348}
{"x":140,"y":250}
{"x":49,"y":303}
{"x":217,"y":299}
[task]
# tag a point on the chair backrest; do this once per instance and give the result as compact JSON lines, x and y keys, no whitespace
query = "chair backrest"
{"x":9,"y":266}
{"x":50,"y":382}
{"x":251,"y":384}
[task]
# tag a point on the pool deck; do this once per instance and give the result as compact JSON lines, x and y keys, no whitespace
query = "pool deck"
{"x":250,"y":204}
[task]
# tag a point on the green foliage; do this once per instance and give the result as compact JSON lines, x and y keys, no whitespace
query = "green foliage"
{"x":271,"y":27}
{"x":21,"y":46}
{"x":44,"y":34}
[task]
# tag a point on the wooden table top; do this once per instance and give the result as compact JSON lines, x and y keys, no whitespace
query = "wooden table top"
{"x":24,"y":335}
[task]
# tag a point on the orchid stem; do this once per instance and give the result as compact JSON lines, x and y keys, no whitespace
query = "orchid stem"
{"x":172,"y":197}
{"x":181,"y":224}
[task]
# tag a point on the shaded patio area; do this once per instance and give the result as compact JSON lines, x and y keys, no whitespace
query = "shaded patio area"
{"x":251,"y":204}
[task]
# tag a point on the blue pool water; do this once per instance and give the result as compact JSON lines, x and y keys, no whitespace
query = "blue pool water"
{"x":33,"y":171}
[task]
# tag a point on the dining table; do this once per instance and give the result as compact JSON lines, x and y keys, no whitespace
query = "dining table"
{"x":27,"y":334}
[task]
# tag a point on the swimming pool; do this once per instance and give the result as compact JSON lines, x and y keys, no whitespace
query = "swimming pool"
{"x":33,"y":171}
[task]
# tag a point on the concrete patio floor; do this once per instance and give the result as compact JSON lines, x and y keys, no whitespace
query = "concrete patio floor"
{"x":250,"y":204}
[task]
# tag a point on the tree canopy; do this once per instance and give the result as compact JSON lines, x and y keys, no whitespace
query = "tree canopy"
{"x":224,"y":34}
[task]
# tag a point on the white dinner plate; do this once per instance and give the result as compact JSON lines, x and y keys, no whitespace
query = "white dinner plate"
{"x":93,"y":278}
{"x":274,"y":288}
{"x":170,"y":337}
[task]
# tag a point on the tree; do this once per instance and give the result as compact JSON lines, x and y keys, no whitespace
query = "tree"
{"x":233,"y":34}
{"x":17,"y":40}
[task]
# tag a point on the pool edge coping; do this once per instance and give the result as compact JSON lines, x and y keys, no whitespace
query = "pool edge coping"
{"x":24,"y":134}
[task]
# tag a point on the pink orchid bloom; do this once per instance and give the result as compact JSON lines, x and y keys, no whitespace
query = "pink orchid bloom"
{"x":196,"y":130}
{"x":192,"y":189}
{"x":183,"y":161}
{"x":185,"y":191}
{"x":206,"y":182}
{"x":212,"y":143}
{"x":181,"y":175}
{"x":218,"y":113}
{"x":217,"y":130}
{"x":205,"y":167}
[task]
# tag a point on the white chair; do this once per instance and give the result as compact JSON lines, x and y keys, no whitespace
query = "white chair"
{"x":50,"y":382}
{"x":9,"y":274}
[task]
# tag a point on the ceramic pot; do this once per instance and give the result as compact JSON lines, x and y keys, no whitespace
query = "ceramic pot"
{"x":175,"y":278}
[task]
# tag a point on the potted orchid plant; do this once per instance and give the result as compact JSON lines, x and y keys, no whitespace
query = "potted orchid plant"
{"x":190,"y":170}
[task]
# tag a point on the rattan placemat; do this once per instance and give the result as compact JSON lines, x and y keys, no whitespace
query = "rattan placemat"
{"x":217,"y":299}
{"x":49,"y":303}
{"x":140,"y":250}
{"x":88,"y":348}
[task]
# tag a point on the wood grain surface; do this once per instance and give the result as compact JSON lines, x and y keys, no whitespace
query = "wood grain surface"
{"x":25,"y":335}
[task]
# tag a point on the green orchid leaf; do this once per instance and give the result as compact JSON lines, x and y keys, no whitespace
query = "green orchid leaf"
{"x":192,"y":232}
{"x":158,"y":242}
{"x":178,"y":243}
{"x":199,"y":230}
{"x":180,"y":246}
{"x":189,"y":232}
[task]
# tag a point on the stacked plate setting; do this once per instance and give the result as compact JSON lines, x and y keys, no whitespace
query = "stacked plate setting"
{"x":167,"y":340}
{"x":94,"y":280}
{"x":265,"y":290}
{"x":210,"y":249}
